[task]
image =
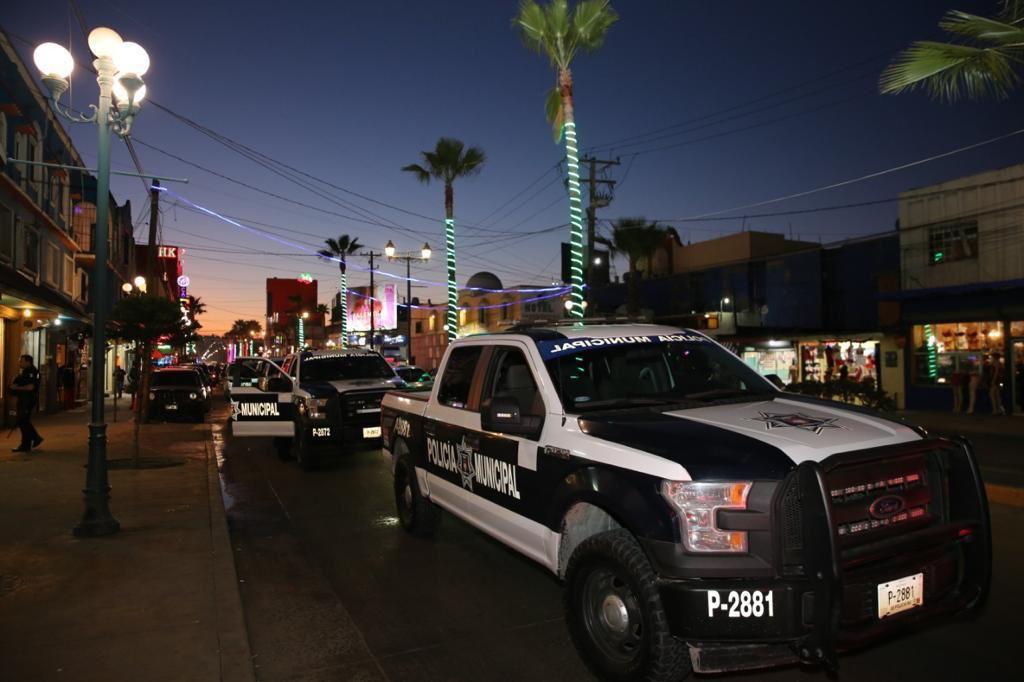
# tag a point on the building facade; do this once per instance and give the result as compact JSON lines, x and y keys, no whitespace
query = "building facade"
{"x":287,"y":301}
{"x":962,"y":297}
{"x":42,"y":289}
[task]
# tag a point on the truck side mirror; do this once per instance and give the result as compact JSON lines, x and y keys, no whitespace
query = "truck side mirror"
{"x":775,"y":381}
{"x":503,"y":414}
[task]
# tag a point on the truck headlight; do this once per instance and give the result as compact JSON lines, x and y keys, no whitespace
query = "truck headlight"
{"x":698,"y":504}
{"x":316,"y":408}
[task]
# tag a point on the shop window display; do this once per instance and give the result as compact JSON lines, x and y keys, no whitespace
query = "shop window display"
{"x":948,"y":352}
{"x":778,"y":361}
{"x":825,"y":361}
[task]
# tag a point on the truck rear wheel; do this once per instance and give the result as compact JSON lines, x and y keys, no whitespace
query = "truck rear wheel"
{"x":615,"y":615}
{"x":418,"y":515}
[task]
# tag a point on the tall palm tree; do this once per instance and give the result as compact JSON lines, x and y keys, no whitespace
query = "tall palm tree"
{"x":636,"y":239}
{"x":449,"y":161}
{"x":339,"y":250}
{"x":984,"y":57}
{"x":552,"y":31}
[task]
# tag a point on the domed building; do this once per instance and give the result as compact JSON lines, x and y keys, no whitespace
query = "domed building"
{"x":485,"y":305}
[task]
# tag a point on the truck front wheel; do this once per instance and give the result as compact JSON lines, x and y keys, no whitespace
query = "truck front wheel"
{"x":615,"y":615}
{"x":418,"y":515}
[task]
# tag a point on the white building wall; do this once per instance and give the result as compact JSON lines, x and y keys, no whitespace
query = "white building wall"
{"x":994,"y":199}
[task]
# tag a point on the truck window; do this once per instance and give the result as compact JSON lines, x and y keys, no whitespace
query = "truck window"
{"x":458,"y":376}
{"x":511,"y":377}
{"x":345,"y":367}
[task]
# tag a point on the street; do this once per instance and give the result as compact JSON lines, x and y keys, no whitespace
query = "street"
{"x":332,"y":588}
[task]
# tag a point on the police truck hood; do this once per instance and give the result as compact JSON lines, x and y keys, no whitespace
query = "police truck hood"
{"x":759,"y":439}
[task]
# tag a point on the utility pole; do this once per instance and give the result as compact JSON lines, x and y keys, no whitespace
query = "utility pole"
{"x":596,"y":200}
{"x":373,"y":293}
{"x":154,"y":216}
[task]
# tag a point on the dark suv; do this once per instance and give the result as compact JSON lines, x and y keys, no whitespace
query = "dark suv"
{"x":178,"y":391}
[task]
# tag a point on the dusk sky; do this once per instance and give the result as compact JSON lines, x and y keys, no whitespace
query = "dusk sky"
{"x":350,"y":92}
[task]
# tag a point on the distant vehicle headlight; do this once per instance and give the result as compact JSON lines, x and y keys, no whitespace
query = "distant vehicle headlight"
{"x":152,"y":396}
{"x":193,"y":396}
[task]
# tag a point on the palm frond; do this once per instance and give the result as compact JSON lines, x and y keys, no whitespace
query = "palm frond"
{"x":421,"y":173}
{"x":591,"y":22}
{"x":351,"y":247}
{"x":532,"y":24}
{"x":554,"y":112}
{"x":472,"y":162}
{"x":949,"y":71}
{"x":983,"y":29}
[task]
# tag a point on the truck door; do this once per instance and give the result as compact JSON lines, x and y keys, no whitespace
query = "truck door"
{"x":264,"y":408}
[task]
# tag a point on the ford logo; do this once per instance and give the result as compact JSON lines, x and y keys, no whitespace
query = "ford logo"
{"x":884,"y":507}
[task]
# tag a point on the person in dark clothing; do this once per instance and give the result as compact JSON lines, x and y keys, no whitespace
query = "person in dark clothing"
{"x":26,"y":388}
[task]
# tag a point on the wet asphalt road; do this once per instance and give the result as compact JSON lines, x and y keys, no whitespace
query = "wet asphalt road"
{"x":333,"y":589}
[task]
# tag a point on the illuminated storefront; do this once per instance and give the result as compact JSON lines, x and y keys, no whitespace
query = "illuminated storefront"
{"x":829,"y":360}
{"x":944,"y":350}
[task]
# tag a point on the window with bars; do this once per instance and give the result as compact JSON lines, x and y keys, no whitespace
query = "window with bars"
{"x":953,"y":242}
{"x":68,"y":282}
{"x":53,"y":264}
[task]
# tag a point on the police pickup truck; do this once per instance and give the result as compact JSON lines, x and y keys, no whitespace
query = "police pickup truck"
{"x":315,"y":402}
{"x":700,"y":518}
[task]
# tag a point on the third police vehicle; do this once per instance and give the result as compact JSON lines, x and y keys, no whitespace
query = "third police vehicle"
{"x":701,"y":518}
{"x":315,"y":403}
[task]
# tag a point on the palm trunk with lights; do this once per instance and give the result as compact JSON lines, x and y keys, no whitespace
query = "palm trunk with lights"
{"x":452,"y":323}
{"x":343,"y":288}
{"x":572,"y":157}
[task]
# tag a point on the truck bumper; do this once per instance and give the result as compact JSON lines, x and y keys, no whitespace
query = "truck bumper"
{"x":829,"y":603}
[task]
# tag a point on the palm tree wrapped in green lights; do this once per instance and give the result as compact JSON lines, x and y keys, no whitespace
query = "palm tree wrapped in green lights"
{"x":449,"y":161}
{"x":985,"y":57}
{"x":339,"y":250}
{"x":551,"y":30}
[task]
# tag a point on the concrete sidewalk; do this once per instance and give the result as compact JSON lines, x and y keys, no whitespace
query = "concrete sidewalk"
{"x":157,"y":601}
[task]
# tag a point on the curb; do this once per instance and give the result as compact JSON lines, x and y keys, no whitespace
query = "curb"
{"x":232,"y":634}
{"x":1004,"y":494}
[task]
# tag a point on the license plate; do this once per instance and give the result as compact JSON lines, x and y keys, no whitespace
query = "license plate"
{"x":371,"y":432}
{"x":900,"y":595}
{"x":171,"y":406}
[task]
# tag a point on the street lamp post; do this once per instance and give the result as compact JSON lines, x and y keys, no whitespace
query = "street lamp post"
{"x":119,"y":68}
{"x":408,"y":257}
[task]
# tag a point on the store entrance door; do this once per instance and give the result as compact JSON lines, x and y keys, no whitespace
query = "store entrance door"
{"x":1015,"y":375}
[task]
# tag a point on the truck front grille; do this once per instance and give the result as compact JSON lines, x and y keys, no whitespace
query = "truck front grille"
{"x":365,"y":405}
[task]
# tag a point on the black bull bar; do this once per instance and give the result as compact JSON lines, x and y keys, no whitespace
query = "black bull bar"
{"x":828,"y":566}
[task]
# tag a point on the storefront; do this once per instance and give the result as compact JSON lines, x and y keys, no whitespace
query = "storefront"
{"x":772,"y":357}
{"x":964,"y":358}
{"x":829,"y":360}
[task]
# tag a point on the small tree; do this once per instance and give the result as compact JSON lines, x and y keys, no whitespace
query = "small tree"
{"x":143,"y":320}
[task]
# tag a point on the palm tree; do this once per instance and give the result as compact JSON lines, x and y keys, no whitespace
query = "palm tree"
{"x":339,"y":250}
{"x":552,"y":31}
{"x":449,"y":161}
{"x":637,"y":239}
{"x":984,"y":57}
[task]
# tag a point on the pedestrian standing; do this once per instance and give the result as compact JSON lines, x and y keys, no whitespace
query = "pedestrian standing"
{"x":26,"y":387}
{"x":956,"y":382}
{"x":973,"y":381}
{"x":995,"y":386}
{"x":119,"y":375}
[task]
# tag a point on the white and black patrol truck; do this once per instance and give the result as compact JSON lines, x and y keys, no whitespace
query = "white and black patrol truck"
{"x":701,"y":518}
{"x":315,"y":402}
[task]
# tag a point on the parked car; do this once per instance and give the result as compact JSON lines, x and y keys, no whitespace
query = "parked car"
{"x":415,"y":379}
{"x":701,"y":518}
{"x":178,"y":391}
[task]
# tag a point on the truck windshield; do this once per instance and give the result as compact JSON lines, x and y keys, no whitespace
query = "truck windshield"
{"x":175,"y":378}
{"x":340,"y":368}
{"x":643,"y":371}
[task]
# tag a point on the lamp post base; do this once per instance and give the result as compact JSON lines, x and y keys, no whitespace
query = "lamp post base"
{"x":96,"y":519}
